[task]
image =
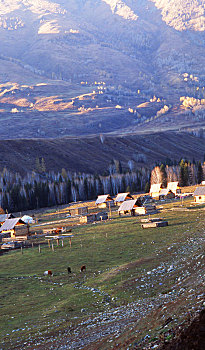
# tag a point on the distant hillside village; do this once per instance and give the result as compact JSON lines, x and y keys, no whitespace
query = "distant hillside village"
{"x":43,"y":189}
{"x":16,"y":230}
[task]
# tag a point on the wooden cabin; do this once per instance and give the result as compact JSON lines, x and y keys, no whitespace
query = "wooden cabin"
{"x":15,"y":229}
{"x":174,"y":187}
{"x":128,"y":207}
{"x":122,"y":197}
{"x":4,"y":217}
{"x":155,"y":190}
{"x":104,"y":201}
{"x":199,"y":195}
{"x":89,"y":218}
{"x":78,"y":211}
{"x":146,"y":209}
{"x":165,"y":193}
{"x":101,"y":216}
{"x":133,"y":207}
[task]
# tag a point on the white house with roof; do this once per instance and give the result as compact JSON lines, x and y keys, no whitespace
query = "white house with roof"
{"x":199,"y":195}
{"x":104,"y":201}
{"x":127,"y":206}
{"x":121,"y":197}
{"x":166,"y":193}
{"x":155,"y":190}
{"x":174,"y":187}
{"x":14,"y":228}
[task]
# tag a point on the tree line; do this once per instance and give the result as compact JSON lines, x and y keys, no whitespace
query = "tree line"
{"x":187,"y":173}
{"x":43,"y":189}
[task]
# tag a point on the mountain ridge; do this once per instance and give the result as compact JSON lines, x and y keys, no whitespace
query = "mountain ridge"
{"x":127,"y":52}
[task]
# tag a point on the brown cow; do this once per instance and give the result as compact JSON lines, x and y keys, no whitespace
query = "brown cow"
{"x":48,"y":273}
{"x":83,"y":268}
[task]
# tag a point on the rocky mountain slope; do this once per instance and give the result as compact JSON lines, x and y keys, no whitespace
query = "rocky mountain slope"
{"x":100,"y":66}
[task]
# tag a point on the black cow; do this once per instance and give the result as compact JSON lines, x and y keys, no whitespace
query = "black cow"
{"x":69,"y":269}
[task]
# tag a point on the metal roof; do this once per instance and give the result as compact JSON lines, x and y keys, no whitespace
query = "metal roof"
{"x":173,"y":185}
{"x":121,"y":197}
{"x":200,"y":191}
{"x":4,"y":217}
{"x":127,"y":205}
{"x":155,"y":188}
{"x":103,"y":198}
{"x":9,"y":224}
{"x":164,"y":192}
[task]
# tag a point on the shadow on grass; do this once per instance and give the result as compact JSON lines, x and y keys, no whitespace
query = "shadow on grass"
{"x":181,"y":223}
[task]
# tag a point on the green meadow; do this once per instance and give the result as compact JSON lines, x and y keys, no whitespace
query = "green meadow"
{"x":117,"y":253}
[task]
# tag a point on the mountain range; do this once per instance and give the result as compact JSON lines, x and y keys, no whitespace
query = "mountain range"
{"x":89,"y":67}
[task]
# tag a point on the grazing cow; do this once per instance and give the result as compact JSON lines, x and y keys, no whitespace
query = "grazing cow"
{"x":83,"y":268}
{"x":69,"y":269}
{"x":48,"y":273}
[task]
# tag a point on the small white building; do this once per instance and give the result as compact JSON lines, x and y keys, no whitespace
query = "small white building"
{"x":174,"y":187}
{"x":104,"y":201}
{"x":155,"y":190}
{"x":28,"y":219}
{"x":122,"y":197}
{"x":199,"y":195}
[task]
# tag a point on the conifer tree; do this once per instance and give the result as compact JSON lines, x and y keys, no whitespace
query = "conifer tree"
{"x":199,"y":173}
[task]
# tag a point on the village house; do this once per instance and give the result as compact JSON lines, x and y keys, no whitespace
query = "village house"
{"x":121,"y":197}
{"x":15,"y":229}
{"x":104,"y":201}
{"x":174,"y":187}
{"x":199,"y":195}
{"x":165,"y":193}
{"x":128,"y":207}
{"x":90,"y":218}
{"x":78,"y":211}
{"x":155,"y":190}
{"x":134,"y":207}
{"x":4,"y":217}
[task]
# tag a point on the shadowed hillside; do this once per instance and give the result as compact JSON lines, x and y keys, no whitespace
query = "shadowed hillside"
{"x":95,"y":154}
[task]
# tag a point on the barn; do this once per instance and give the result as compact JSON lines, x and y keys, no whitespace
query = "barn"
{"x":104,"y":201}
{"x":14,"y":229}
{"x":121,"y":197}
{"x":199,"y":195}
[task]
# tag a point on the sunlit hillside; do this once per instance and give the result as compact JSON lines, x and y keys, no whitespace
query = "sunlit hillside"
{"x":110,"y":64}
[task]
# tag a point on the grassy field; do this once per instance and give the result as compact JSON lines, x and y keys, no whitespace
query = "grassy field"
{"x":125,"y":264}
